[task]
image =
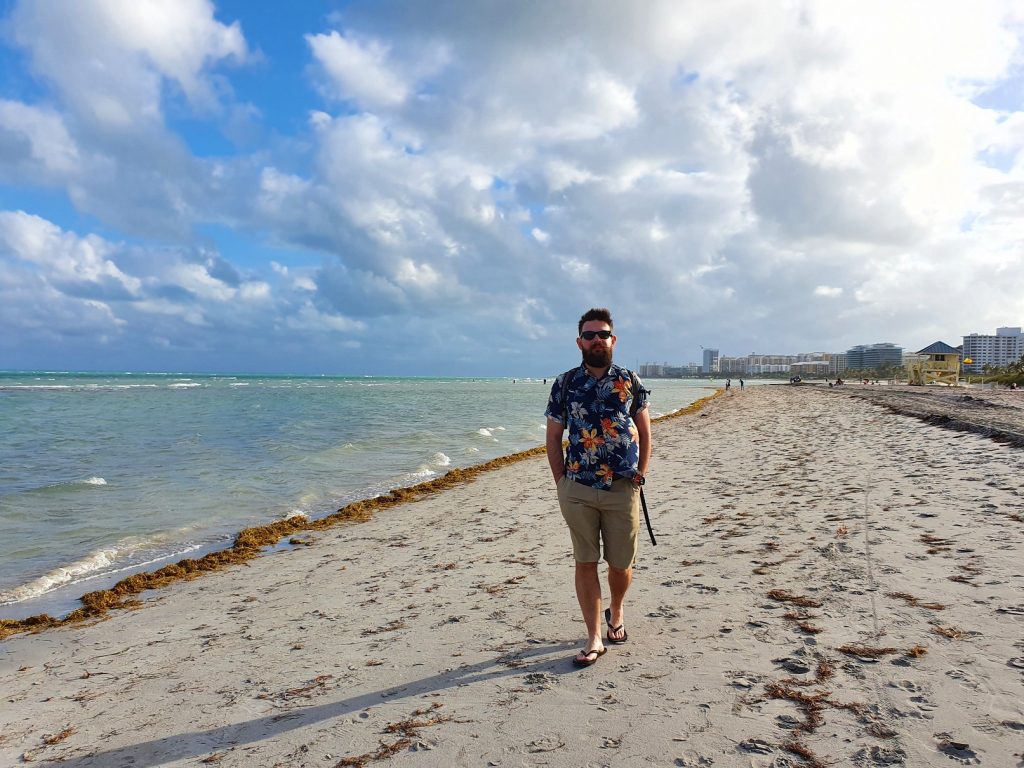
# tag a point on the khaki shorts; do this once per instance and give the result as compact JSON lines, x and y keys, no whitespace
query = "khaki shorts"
{"x":593,"y":517}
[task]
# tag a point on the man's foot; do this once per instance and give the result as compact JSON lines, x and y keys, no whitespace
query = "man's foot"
{"x":586,"y":658}
{"x":615,"y":634}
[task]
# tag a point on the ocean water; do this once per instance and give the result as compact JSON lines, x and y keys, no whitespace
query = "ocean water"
{"x":105,"y":475}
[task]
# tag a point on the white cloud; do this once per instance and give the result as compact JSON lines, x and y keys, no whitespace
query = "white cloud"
{"x":828,"y":291}
{"x":109,"y":59}
{"x":50,"y":143}
{"x":309,"y":318}
{"x":418,"y":275}
{"x":358,"y":69}
{"x":714,"y":174}
{"x":78,"y":263}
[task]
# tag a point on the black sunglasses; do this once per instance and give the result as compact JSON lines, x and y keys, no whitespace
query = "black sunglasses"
{"x":589,"y":335}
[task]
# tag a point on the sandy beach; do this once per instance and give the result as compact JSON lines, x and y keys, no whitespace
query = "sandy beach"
{"x":835,"y":583}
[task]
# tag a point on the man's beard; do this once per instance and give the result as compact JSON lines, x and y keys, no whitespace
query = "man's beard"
{"x":598,"y":357}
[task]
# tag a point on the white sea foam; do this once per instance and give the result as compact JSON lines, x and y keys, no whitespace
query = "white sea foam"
{"x":239,"y":384}
{"x":499,"y":429}
{"x":484,"y":431}
{"x":440,"y":459}
{"x":296,"y":513}
{"x":184,"y":385}
{"x":95,"y":481}
{"x":98,"y":563}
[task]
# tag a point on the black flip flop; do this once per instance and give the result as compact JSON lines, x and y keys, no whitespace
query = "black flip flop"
{"x":586,"y":661}
{"x":609,"y":638}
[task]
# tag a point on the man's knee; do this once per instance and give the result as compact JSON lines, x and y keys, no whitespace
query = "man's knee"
{"x":619,"y":571}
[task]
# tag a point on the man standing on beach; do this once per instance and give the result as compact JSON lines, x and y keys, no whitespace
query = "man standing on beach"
{"x":600,"y":475}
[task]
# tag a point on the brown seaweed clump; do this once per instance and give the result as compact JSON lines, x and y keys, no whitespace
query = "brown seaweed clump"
{"x":408,"y":730}
{"x":784,"y":596}
{"x":250,"y":542}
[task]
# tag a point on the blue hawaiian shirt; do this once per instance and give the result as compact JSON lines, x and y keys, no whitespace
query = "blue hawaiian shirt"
{"x":603,"y":440}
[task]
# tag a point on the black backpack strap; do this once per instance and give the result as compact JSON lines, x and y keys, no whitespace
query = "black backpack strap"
{"x":636,"y":388}
{"x":566,"y":381}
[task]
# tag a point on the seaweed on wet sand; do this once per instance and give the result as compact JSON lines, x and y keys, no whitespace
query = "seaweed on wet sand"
{"x":913,"y":601}
{"x":407,"y":729}
{"x":804,"y":752}
{"x":873,"y":652}
{"x":784,"y":596}
{"x":811,"y":705}
{"x":802,"y":619}
{"x":866,"y":651}
{"x":57,"y":738}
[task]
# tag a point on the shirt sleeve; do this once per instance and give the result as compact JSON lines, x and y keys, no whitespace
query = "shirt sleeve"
{"x":556,"y":408}
{"x":641,"y":396}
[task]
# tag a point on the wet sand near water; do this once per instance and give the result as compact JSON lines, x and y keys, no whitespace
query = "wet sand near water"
{"x":834,"y":583}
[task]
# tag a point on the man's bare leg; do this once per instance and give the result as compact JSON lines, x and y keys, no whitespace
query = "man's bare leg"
{"x":588,"y":592}
{"x":618,"y":584}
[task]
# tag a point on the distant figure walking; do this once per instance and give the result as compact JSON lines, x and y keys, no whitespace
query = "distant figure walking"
{"x":741,"y":383}
{"x":728,"y":383}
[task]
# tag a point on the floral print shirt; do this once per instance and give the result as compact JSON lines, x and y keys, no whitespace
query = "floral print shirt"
{"x":603,"y":440}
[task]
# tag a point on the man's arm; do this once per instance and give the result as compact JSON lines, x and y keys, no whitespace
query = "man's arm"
{"x":643,"y":430}
{"x":556,"y":459}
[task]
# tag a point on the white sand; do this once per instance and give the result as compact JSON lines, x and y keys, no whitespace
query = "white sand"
{"x":460,"y":608}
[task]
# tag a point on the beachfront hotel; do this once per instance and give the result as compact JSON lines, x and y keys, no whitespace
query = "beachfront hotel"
{"x":1006,"y":347}
{"x":753,"y":364}
{"x":874,"y":356}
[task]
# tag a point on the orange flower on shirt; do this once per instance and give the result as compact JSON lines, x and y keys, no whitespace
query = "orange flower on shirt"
{"x":590,"y":439}
{"x":572,"y":468}
{"x":608,"y":427}
{"x":623,"y":387}
{"x":604,"y":471}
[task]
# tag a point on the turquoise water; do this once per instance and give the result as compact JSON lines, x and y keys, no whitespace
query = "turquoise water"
{"x":102,"y":475}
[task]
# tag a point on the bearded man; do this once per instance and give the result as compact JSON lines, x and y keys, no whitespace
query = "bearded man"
{"x":604,"y":407}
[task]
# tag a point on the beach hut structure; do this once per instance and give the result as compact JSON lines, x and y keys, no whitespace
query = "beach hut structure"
{"x":940,"y":365}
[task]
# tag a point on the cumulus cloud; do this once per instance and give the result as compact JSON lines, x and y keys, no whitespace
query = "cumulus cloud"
{"x":809,"y":179}
{"x":109,"y":59}
{"x":358,"y":69}
{"x":47,"y":145}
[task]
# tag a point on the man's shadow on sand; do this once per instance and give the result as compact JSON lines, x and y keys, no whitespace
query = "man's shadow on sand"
{"x":187,"y":745}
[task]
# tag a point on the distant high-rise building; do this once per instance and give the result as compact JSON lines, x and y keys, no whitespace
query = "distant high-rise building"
{"x":710,"y":364}
{"x":1004,"y":348}
{"x":736,"y":365}
{"x":874,"y":356}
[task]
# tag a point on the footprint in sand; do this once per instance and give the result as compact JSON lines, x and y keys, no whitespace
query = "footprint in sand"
{"x":881,"y":756}
{"x":957,"y":751}
{"x":693,"y":759}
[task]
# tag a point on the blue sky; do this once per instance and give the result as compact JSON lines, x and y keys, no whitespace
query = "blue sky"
{"x":404,"y":188}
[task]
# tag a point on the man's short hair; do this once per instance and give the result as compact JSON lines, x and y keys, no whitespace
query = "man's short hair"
{"x":595,"y":313}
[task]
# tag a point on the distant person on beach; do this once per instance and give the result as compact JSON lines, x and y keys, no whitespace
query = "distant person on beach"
{"x":741,"y":383}
{"x":599,"y":477}
{"x":728,"y":383}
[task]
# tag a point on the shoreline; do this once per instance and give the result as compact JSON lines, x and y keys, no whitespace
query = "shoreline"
{"x":833,"y":584}
{"x":254,"y":541}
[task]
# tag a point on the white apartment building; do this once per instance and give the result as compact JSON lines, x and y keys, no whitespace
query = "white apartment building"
{"x":1004,"y":348}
